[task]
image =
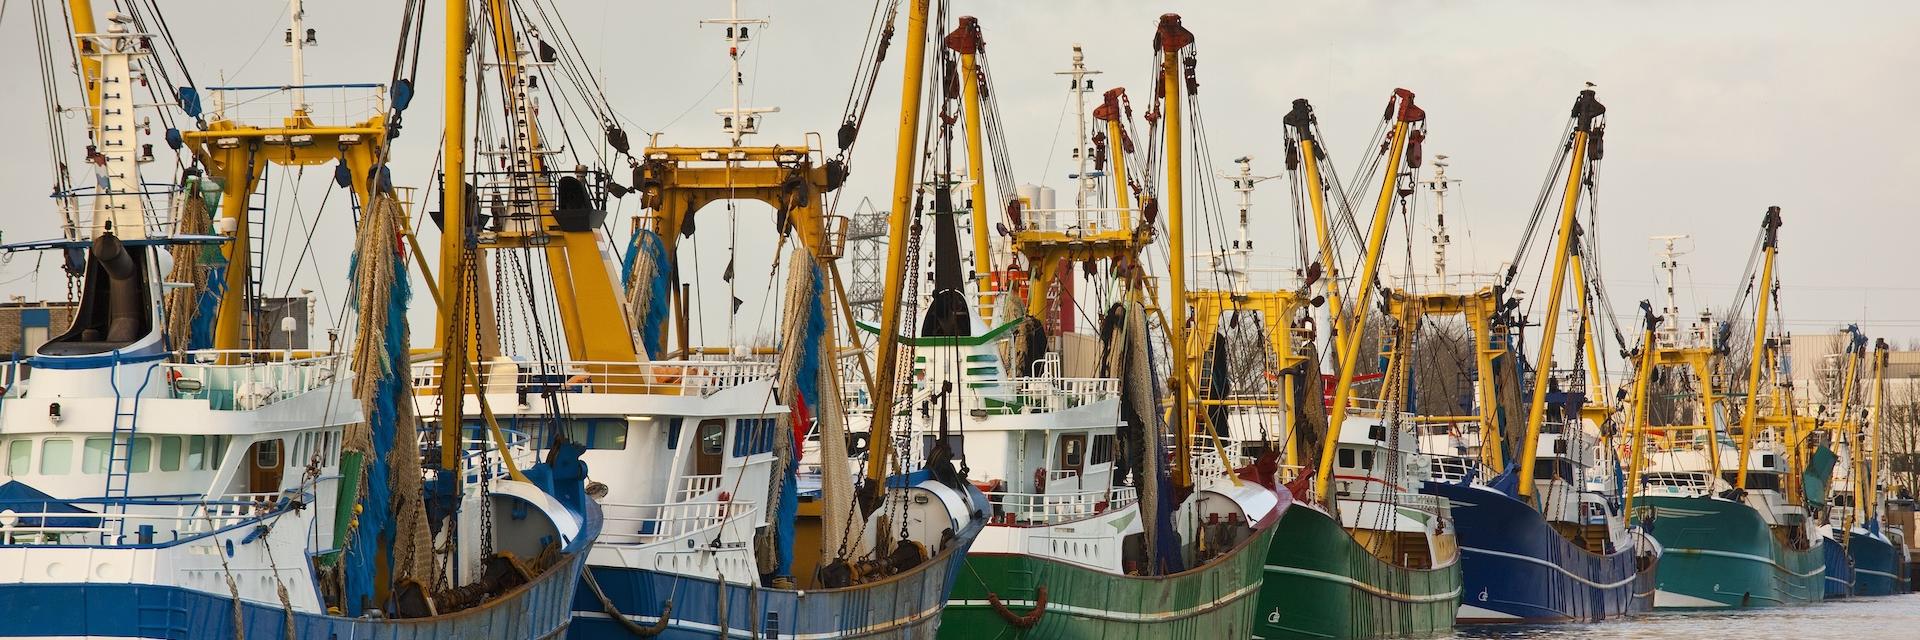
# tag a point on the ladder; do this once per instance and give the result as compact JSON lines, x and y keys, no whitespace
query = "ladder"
{"x":126,"y":420}
{"x":256,"y":260}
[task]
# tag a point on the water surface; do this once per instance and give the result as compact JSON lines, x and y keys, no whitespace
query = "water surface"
{"x":1881,"y":618}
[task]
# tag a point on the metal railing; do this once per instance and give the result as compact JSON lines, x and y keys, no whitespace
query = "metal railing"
{"x":649,"y":523}
{"x":1451,"y":469}
{"x":1047,"y":395}
{"x":120,"y":522}
{"x":249,"y":379}
{"x":1078,"y":222}
{"x":271,"y":107}
{"x":1030,"y":509}
{"x":692,"y":377}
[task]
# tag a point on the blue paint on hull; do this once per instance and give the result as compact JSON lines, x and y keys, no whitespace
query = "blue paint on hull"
{"x":537,"y":611}
{"x":1513,"y":563}
{"x":1840,"y":577}
{"x":903,"y":606}
{"x":1877,"y":564}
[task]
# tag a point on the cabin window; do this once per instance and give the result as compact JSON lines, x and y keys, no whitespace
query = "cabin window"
{"x":169,"y":453}
{"x":20,"y":457}
{"x":142,"y":455}
{"x":673,"y":433}
{"x":752,"y":435}
{"x":56,"y":457}
{"x":1102,"y":452}
{"x":196,"y":453}
{"x":217,"y":449}
{"x":267,"y":455}
{"x":93,"y":459}
{"x":713,"y":436}
{"x":1073,"y":452}
{"x":1346,"y":457}
{"x":956,"y":445}
{"x":1366,"y":459}
{"x":599,"y":433}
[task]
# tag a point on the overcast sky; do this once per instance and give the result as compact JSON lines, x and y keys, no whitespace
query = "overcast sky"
{"x":1716,"y":111}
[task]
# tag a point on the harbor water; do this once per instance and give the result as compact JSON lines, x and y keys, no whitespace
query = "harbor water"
{"x":1891,"y":617}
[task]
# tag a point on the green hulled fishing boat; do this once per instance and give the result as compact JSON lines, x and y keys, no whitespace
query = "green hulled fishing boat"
{"x":1720,"y":485}
{"x":1366,"y":555}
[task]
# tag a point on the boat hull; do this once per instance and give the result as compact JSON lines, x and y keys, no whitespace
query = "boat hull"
{"x":1840,"y":577}
{"x":1320,"y":583}
{"x":1515,"y":568}
{"x":1720,"y":555}
{"x":1215,"y":600}
{"x":536,"y":611}
{"x":902,"y":606}
{"x":1877,"y":566}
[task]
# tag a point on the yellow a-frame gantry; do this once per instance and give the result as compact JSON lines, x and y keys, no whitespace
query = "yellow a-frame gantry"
{"x":676,"y":183}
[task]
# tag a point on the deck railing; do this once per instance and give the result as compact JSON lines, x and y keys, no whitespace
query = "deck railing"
{"x":1031,"y":509}
{"x":692,"y":377}
{"x":649,"y":523}
{"x":245,"y":380}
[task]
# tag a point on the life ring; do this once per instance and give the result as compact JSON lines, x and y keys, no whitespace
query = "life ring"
{"x":857,"y":443}
{"x":1040,"y":480}
{"x":1032,"y":617}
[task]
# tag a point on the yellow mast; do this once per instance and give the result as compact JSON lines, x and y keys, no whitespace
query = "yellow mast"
{"x":1637,"y":430}
{"x":967,"y":40}
{"x":1850,"y":426}
{"x":880,"y":432}
{"x":82,"y":11}
{"x":1749,"y":416}
{"x":1171,"y":38}
{"x":1586,"y":109}
{"x":1872,"y":444}
{"x":1377,"y":235}
{"x":1301,"y":120}
{"x":453,"y":246}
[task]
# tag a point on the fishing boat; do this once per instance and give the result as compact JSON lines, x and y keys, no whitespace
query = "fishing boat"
{"x":1868,"y":552}
{"x":1543,"y":539}
{"x":1106,"y":522}
{"x":573,"y":341}
{"x":1740,"y":537}
{"x":1362,"y":553}
{"x":224,"y":488}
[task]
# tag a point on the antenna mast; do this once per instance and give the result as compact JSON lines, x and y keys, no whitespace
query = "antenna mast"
{"x":298,"y":38}
{"x":1080,"y":86}
{"x":1237,"y":262}
{"x":1440,"y":185}
{"x":1670,"y":263}
{"x":738,"y":121}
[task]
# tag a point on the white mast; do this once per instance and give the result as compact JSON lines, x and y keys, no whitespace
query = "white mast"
{"x":119,"y":156}
{"x":739,"y":121}
{"x":1439,"y":185}
{"x":1237,"y":263}
{"x":298,"y":38}
{"x":1670,"y":263}
{"x":1080,"y":86}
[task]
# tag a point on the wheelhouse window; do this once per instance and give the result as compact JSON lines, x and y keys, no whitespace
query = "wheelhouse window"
{"x":169,"y":453}
{"x":599,"y":433}
{"x":94,"y":458}
{"x":196,"y":453}
{"x":56,"y":457}
{"x":20,"y":457}
{"x":1346,"y":458}
{"x":142,"y":460}
{"x":1102,"y":451}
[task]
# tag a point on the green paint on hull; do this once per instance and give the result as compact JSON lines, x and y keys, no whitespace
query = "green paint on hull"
{"x":1212,"y":601}
{"x":1721,"y":554}
{"x":1322,"y":584}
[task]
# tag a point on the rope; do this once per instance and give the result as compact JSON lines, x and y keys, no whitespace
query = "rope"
{"x":634,"y":628}
{"x":1021,"y":621}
